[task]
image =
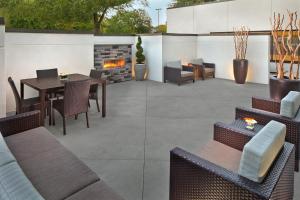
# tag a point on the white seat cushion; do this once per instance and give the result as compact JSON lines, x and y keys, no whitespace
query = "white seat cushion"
{"x":186,"y":74}
{"x":15,"y":185}
{"x":290,"y":104}
{"x":261,"y":151}
{"x":175,"y":64}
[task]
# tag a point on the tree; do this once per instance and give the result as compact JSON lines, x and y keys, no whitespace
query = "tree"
{"x":162,"y":28}
{"x":140,"y":58}
{"x":130,"y":22}
{"x":59,"y":13}
{"x":189,"y":2}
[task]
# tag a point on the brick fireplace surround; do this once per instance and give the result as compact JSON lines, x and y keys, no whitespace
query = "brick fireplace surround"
{"x":110,"y":59}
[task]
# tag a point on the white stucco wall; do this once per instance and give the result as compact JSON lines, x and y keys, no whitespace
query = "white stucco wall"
{"x":220,"y":50}
{"x":152,"y":45}
{"x":182,"y":48}
{"x":220,"y":17}
{"x":2,"y":73}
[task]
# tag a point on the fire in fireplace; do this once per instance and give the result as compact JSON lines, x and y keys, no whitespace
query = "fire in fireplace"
{"x":114,"y":63}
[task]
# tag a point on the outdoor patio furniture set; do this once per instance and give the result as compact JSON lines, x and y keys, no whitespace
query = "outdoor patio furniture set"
{"x":240,"y":163}
{"x":35,"y":166}
{"x":68,"y":95}
{"x":195,"y":70}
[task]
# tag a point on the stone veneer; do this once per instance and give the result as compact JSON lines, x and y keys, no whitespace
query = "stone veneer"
{"x":106,"y":52}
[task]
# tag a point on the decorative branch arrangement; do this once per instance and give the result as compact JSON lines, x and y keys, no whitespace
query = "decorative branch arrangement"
{"x":285,"y":45}
{"x":241,"y":42}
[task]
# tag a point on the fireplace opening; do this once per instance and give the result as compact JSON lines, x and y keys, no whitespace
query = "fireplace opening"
{"x":114,"y":63}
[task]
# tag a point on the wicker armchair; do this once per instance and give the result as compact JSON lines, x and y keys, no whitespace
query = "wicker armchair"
{"x":205,"y":70}
{"x":175,"y":72}
{"x":263,"y":117}
{"x":192,"y":177}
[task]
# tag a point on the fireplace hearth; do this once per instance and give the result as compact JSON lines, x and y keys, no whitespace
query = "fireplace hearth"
{"x":115,"y":61}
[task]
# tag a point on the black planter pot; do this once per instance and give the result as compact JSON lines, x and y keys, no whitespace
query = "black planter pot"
{"x":240,"y":69}
{"x":279,"y":88}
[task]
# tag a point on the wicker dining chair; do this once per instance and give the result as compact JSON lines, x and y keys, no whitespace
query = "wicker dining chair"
{"x":26,"y":105}
{"x":50,"y":73}
{"x":76,"y":97}
{"x":95,"y":74}
{"x":47,"y":73}
{"x":194,"y":177}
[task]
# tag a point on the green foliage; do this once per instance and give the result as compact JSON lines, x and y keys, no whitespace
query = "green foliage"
{"x":140,"y":58}
{"x":161,"y":28}
{"x":129,"y":22}
{"x":179,"y":3}
{"x":59,"y":14}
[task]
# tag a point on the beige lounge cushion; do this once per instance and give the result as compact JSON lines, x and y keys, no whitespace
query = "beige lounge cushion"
{"x":290,"y":104}
{"x":186,"y":74}
{"x":198,"y":61}
{"x":261,"y":151}
{"x":175,"y":64}
{"x":53,"y":170}
{"x":209,"y":70}
{"x":213,"y":152}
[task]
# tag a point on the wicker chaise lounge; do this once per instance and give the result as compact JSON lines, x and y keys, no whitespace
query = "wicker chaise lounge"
{"x":205,"y":177}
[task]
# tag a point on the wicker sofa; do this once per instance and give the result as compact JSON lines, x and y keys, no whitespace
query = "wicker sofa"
{"x":194,"y":176}
{"x":54,"y":171}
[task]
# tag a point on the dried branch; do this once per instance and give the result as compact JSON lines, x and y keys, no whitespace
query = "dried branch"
{"x":284,"y":43}
{"x":241,"y":42}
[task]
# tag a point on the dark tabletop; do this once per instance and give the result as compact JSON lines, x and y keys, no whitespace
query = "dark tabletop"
{"x":53,"y":83}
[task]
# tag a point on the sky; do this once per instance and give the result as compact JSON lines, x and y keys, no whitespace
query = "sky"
{"x":153,"y":5}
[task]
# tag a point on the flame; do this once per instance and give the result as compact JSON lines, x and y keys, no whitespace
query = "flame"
{"x":250,"y":120}
{"x":111,"y":64}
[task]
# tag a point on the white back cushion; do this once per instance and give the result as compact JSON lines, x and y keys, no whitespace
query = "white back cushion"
{"x":175,"y":64}
{"x":198,"y":61}
{"x":261,"y":151}
{"x":290,"y":104}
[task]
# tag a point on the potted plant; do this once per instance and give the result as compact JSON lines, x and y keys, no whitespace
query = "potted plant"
{"x":286,"y":42}
{"x":140,"y":67}
{"x":240,"y":63}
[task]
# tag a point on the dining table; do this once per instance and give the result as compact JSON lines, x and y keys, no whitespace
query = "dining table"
{"x":45,"y":85}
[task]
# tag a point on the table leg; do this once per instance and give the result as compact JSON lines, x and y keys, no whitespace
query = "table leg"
{"x":43,"y":105}
{"x":103,"y":99}
{"x":22,"y":90}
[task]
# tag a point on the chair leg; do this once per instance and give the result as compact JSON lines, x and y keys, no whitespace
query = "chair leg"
{"x":87,"y":120}
{"x":64,"y":125}
{"x":50,"y":114}
{"x":89,"y":103}
{"x":53,"y":117}
{"x":98,"y":107}
{"x":76,"y":117}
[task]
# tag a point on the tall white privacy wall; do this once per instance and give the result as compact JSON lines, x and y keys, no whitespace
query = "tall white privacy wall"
{"x":220,"y":50}
{"x":223,"y":16}
{"x":2,"y":70}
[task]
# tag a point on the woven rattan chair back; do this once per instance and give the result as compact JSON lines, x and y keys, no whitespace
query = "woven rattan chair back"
{"x":96,"y":74}
{"x":47,"y":73}
{"x":76,"y":97}
{"x":16,"y":95}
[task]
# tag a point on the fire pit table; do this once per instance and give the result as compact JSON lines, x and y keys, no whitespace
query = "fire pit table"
{"x":225,"y":131}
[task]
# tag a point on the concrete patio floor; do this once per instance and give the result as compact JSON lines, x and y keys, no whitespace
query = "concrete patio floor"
{"x":129,"y":149}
